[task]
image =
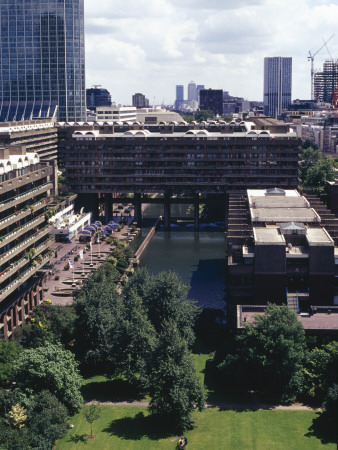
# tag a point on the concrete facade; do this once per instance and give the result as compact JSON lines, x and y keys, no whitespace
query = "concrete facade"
{"x":25,"y":186}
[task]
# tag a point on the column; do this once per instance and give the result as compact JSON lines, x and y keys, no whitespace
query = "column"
{"x":23,"y":312}
{"x":108,"y":207}
{"x":196,"y":211}
{"x":5,"y":327}
{"x":137,"y":208}
{"x":167,"y":211}
{"x":16,"y":314}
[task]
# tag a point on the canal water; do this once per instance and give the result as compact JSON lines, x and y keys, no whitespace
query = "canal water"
{"x":198,"y":257}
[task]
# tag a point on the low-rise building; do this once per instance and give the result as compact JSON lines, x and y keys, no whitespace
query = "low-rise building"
{"x":281,"y":249}
{"x":26,"y":183}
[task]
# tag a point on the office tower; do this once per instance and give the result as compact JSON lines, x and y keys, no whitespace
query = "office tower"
{"x":212,"y":100}
{"x":179,"y":95}
{"x":97,"y":96}
{"x":192,"y":91}
{"x":199,"y":87}
{"x":140,"y":100}
{"x":42,"y":60}
{"x":326,"y":82}
{"x":277,"y":85}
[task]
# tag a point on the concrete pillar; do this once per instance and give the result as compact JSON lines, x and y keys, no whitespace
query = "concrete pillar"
{"x":196,"y":211}
{"x":167,"y":211}
{"x":11,"y":326}
{"x":23,"y":312}
{"x":108,"y":206}
{"x":4,"y":320}
{"x":138,"y":208}
{"x":90,"y":202}
{"x":16,"y":314}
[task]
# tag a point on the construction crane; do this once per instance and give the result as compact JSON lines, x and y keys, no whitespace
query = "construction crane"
{"x":311,"y":58}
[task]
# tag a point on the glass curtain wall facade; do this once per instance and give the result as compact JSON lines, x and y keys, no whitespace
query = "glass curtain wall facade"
{"x":277,"y":85}
{"x":42,"y":60}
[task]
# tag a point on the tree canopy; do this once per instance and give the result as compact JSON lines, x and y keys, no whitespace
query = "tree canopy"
{"x":316,"y":169}
{"x":175,"y":388}
{"x":49,"y":368}
{"x":269,"y":355}
{"x":9,"y":351}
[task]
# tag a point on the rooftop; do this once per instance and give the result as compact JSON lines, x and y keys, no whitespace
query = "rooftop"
{"x":284,"y":214}
{"x":270,"y":236}
{"x":319,"y":236}
{"x":325,"y":318}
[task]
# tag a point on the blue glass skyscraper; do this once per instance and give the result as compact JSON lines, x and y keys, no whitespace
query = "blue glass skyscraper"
{"x":42,"y":59}
{"x":277,"y":85}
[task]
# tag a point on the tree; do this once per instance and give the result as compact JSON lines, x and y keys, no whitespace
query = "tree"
{"x":91,"y":414}
{"x":269,"y":355}
{"x":46,"y":420}
{"x":9,"y":351}
{"x":204,"y":115}
{"x":175,"y":388}
{"x":61,"y":321}
{"x":138,"y":340}
{"x":164,"y":297}
{"x":321,"y":370}
{"x":17,"y":416}
{"x":52,"y":368}
{"x":38,"y":331}
{"x":316,"y":169}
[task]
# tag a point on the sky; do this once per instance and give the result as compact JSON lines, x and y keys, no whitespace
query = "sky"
{"x":149,"y":46}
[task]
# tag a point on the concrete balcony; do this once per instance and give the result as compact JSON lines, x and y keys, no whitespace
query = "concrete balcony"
{"x":22,"y":278}
{"x":17,"y":182}
{"x":24,"y":244}
{"x":23,"y":261}
{"x":9,"y":203}
{"x":21,"y":230}
{"x":20,"y":214}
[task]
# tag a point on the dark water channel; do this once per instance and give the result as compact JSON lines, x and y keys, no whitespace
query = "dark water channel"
{"x":198,"y":257}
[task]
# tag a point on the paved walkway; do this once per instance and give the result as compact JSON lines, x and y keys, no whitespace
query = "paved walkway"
{"x":66,"y":251}
{"x":225,"y":406}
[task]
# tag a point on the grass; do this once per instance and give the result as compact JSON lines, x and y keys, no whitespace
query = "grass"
{"x":130,"y":427}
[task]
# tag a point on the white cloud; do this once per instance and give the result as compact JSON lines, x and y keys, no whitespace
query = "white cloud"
{"x":150,"y":46}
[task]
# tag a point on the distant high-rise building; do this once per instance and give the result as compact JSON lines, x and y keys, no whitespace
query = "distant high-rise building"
{"x":277,"y":85}
{"x":97,"y":96}
{"x":326,"y":82}
{"x":179,"y":95}
{"x":140,"y":100}
{"x":212,"y":100}
{"x":199,"y":87}
{"x":192,"y":91}
{"x":42,"y":60}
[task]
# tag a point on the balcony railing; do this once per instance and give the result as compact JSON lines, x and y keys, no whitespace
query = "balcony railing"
{"x":31,"y":193}
{"x":22,"y":278}
{"x":24,"y":244}
{"x":23,"y":228}
{"x":21,"y":262}
{"x":20,"y":214}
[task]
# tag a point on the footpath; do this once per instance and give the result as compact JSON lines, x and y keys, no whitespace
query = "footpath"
{"x":256,"y":406}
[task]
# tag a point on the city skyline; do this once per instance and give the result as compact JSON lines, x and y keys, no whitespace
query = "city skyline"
{"x":151,"y":46}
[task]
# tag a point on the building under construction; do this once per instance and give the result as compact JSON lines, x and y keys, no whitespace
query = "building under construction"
{"x":326,"y":82}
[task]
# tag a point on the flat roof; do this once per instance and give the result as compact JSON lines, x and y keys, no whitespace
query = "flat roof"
{"x":288,"y":214}
{"x":318,"y":236}
{"x":278,"y":201}
{"x":323,"y":319}
{"x":271,"y":236}
{"x":264,"y":193}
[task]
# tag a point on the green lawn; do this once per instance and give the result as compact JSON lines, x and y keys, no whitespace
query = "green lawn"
{"x":130,"y":427}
